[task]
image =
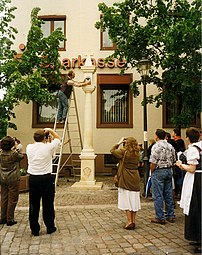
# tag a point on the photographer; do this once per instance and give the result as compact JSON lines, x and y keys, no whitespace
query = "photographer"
{"x":9,"y":179}
{"x":39,"y":155}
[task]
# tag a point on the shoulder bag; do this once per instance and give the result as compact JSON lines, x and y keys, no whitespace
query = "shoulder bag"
{"x":116,"y":177}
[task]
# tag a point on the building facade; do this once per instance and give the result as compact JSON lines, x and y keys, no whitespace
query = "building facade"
{"x":116,"y":113}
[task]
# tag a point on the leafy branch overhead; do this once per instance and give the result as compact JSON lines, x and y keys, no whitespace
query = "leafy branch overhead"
{"x":37,"y":74}
{"x":169,"y":34}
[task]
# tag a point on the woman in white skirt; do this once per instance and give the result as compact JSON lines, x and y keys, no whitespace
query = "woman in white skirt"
{"x":128,"y":178}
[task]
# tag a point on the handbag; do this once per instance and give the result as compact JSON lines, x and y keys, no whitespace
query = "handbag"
{"x":116,"y":179}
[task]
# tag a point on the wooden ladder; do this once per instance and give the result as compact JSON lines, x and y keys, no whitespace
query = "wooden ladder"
{"x":71,"y":142}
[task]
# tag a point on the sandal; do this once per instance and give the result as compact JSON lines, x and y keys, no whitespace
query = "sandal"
{"x":130,"y":226}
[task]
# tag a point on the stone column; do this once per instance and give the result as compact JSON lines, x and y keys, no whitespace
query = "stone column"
{"x":88,"y":156}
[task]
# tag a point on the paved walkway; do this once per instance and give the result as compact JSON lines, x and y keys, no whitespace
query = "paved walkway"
{"x":88,"y":222}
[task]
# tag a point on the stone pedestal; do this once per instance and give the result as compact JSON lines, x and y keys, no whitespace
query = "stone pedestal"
{"x":87,"y":180}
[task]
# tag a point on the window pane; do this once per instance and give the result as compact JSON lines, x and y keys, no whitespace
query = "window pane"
{"x":46,"y":28}
{"x":59,"y":24}
{"x":170,"y":112}
{"x":106,"y":40}
{"x":114,"y":105}
{"x":47,"y":113}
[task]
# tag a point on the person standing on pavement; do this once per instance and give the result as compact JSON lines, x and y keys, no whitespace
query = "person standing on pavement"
{"x":191,"y":190}
{"x":9,"y":179}
{"x":64,"y":95}
{"x":161,"y":161}
{"x":179,"y":146}
{"x":128,"y":178}
{"x":141,"y":161}
{"x":41,"y":184}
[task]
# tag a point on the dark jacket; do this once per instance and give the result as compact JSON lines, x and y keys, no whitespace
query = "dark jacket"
{"x":9,"y":166}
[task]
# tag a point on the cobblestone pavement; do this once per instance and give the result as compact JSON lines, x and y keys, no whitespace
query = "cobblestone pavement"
{"x":88,"y":222}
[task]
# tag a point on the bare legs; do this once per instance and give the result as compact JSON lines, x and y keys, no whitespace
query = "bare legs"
{"x":130,"y":218}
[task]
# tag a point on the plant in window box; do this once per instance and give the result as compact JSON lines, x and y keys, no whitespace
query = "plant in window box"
{"x":24,"y":180}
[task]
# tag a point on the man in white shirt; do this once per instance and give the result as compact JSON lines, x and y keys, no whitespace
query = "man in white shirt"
{"x":39,"y":155}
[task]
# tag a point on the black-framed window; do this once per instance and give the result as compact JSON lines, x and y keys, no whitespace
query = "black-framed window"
{"x":51,"y":23}
{"x":114,"y":101}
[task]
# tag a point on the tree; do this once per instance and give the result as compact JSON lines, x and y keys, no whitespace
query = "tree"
{"x":169,"y":34}
{"x":36,"y":74}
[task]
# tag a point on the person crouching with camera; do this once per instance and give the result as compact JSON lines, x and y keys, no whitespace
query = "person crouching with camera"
{"x":39,"y":155}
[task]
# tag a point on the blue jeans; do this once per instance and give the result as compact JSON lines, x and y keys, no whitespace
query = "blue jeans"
{"x":62,"y":106}
{"x":162,"y":191}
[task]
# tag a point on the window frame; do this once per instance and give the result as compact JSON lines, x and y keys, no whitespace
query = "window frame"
{"x":101,"y":43}
{"x":53,"y":18}
{"x":114,"y":79}
{"x":171,"y":125}
{"x":35,"y":115}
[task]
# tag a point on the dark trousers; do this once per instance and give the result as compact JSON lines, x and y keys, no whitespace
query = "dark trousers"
{"x":41,"y":187}
{"x":9,"y":199}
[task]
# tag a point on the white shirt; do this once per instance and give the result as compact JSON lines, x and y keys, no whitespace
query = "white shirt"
{"x":39,"y":157}
{"x":187,"y":188}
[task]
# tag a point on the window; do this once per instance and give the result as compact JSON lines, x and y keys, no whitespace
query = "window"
{"x":169,"y":111}
{"x":110,"y":160}
{"x":114,"y":101}
{"x":44,"y":114}
{"x":51,"y":23}
{"x":106,"y":43}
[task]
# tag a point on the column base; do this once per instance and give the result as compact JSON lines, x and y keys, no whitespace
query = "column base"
{"x":87,"y":185}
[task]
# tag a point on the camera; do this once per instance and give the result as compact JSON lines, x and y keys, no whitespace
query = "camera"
{"x":46,"y":135}
{"x":183,"y":158}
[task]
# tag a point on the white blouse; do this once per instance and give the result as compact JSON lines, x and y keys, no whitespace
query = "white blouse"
{"x":193,"y":153}
{"x":187,"y":188}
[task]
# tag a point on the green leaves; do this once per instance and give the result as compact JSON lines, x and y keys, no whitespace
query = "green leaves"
{"x":169,"y":34}
{"x":36,"y":75}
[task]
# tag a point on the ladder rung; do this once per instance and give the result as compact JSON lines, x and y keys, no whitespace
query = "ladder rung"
{"x":67,"y":131}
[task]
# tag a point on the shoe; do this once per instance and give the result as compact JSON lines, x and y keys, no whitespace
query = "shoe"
{"x":62,"y":121}
{"x":171,"y":220}
{"x":130,"y":226}
{"x":51,"y":230}
{"x":35,"y":233}
{"x":155,"y":220}
{"x":3,"y":222}
{"x":11,"y":223}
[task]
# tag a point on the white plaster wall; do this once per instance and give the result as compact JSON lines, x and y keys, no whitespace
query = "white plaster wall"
{"x":81,"y":37}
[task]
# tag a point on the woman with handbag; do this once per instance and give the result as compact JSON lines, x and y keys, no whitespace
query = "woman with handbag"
{"x":128,"y":178}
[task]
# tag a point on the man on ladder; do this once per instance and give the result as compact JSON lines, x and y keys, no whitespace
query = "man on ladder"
{"x":64,"y":95}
